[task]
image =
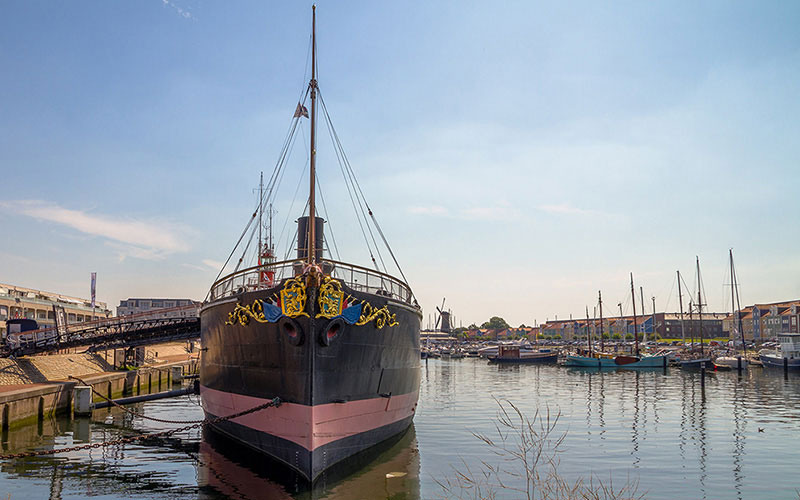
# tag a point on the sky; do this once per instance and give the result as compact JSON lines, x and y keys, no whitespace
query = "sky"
{"x":520,"y":156}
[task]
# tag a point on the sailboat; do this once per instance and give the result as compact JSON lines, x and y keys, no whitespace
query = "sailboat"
{"x":736,"y":325}
{"x":696,"y":361}
{"x":603,"y":360}
{"x":335,"y":346}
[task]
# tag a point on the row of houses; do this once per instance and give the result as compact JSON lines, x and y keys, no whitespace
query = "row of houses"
{"x":758,"y":322}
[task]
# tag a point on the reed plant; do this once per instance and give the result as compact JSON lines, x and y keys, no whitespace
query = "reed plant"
{"x":523,"y":461}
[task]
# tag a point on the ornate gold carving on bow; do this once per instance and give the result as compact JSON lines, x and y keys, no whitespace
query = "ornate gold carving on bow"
{"x":293,"y":298}
{"x":331,"y":298}
{"x":242,"y":314}
{"x":381,"y":316}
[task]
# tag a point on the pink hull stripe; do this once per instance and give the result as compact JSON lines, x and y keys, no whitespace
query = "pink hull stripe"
{"x":311,"y":426}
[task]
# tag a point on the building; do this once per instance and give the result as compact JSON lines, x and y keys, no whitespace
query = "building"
{"x":765,"y":321}
{"x":20,"y":302}
{"x":168,"y":308}
{"x":665,"y":325}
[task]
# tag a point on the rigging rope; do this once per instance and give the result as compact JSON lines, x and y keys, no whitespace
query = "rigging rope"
{"x":345,"y":164}
{"x":330,"y":226}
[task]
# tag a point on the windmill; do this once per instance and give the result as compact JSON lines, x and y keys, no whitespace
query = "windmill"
{"x":443,"y":318}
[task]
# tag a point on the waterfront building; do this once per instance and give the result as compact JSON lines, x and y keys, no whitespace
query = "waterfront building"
{"x":161,"y":308}
{"x":666,"y":325}
{"x":21,"y":302}
{"x":761,"y":322}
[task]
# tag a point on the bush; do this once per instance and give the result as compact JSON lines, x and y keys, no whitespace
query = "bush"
{"x":628,"y":336}
{"x":616,"y":336}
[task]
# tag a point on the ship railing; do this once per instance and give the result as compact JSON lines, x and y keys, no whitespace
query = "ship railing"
{"x":355,"y":277}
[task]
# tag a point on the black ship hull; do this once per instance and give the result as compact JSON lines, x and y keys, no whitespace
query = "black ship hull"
{"x":346,"y":382}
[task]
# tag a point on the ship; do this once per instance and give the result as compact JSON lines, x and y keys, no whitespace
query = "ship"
{"x":334,"y":344}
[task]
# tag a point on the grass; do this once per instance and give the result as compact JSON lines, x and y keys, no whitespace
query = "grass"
{"x":522,"y":462}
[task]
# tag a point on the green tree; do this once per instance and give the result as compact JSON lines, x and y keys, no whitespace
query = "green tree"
{"x":616,"y":336}
{"x":628,"y":336}
{"x":495,"y":323}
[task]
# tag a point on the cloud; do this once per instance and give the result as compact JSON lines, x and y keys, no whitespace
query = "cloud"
{"x":179,"y":10}
{"x":142,"y":239}
{"x":498,"y":212}
{"x":429,"y":210}
{"x":213,"y":264}
{"x":563,"y":208}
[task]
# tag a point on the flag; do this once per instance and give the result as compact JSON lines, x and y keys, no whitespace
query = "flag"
{"x":94,"y":284}
{"x":300,"y":111}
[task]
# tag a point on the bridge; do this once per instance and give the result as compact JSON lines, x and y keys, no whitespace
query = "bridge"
{"x":155,"y":327}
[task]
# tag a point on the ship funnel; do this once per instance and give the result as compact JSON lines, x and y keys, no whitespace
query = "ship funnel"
{"x":302,"y":237}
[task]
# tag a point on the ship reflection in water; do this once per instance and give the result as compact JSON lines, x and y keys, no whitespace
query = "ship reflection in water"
{"x":228,"y":470}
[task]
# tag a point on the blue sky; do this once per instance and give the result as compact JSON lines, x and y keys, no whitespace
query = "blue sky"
{"x":520,"y":156}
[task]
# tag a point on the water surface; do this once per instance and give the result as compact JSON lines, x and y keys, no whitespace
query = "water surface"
{"x":733,"y":439}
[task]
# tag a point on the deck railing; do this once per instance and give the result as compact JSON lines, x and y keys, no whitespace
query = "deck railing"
{"x":356,"y":277}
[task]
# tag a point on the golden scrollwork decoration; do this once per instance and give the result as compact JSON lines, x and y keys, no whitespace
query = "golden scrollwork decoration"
{"x":293,"y":298}
{"x":242,"y":314}
{"x":381,"y":316}
{"x":331,"y":298}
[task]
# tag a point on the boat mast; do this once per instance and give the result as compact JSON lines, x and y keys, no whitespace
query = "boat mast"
{"x":312,"y":221}
{"x":700,"y":304}
{"x":680,"y":301}
{"x":644,"y":333}
{"x":738,"y":308}
{"x":588,"y":332}
{"x":655,"y":333}
{"x":600,"y":298}
{"x":635,"y":330}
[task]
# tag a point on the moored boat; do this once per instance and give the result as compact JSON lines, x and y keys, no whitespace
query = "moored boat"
{"x":786,"y":356}
{"x":513,"y":354}
{"x":335,"y":344}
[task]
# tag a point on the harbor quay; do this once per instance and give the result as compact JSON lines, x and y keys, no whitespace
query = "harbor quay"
{"x":34,"y":388}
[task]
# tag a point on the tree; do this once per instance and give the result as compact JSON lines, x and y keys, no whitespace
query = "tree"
{"x":522,"y":326}
{"x":616,"y":336}
{"x":495,"y":323}
{"x":628,"y":336}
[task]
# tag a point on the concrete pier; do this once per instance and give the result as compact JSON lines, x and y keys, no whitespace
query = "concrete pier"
{"x":82,"y":400}
{"x":30,"y":403}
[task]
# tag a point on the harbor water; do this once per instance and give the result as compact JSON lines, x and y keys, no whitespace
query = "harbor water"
{"x":661,"y":433}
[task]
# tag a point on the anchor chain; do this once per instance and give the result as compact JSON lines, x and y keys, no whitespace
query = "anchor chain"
{"x":276,"y":402}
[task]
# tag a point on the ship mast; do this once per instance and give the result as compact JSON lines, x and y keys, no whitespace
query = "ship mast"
{"x":700,"y":305}
{"x":600,"y":300}
{"x":680,"y":301}
{"x":260,"y":214}
{"x":635,"y":330}
{"x":313,"y":168}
